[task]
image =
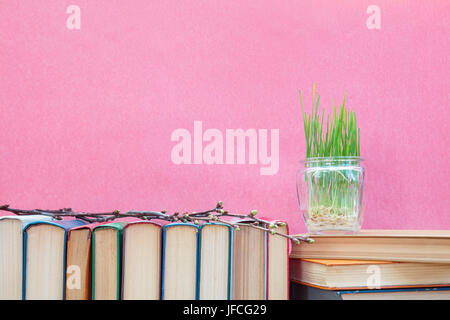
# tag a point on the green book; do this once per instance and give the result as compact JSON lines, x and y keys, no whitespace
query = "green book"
{"x":106,"y":261}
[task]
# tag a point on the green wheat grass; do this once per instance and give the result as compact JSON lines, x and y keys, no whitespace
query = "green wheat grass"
{"x":332,"y":160}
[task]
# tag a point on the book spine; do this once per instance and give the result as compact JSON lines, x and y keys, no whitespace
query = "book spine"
{"x":230,"y":263}
{"x":163,"y":260}
{"x":287,"y":257}
{"x":64,"y":266}
{"x":266,"y":265}
{"x":197,"y":266}
{"x":119,"y":261}
{"x":24,"y":263}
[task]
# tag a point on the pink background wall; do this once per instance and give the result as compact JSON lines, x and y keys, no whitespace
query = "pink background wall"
{"x":87,"y":115}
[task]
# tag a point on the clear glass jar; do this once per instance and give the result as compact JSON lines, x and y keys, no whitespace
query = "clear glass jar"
{"x":330,"y":194}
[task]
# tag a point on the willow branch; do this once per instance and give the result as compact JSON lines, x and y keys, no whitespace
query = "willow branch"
{"x":212,"y":215}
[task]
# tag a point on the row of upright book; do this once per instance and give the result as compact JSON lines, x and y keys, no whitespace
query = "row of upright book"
{"x":42,"y":258}
{"x":373,"y":264}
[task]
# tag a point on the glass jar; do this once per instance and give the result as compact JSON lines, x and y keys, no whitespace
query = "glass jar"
{"x":330,"y":194}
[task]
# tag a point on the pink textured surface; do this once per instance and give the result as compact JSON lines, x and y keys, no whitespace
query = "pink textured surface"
{"x":86,"y":115}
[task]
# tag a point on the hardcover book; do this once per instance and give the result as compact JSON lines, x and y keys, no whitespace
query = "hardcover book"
{"x":107,"y":261}
{"x":385,"y":245}
{"x":278,"y":265}
{"x":180,"y":261}
{"x":141,"y":276}
{"x":305,"y":292}
{"x":11,"y":254}
{"x":44,"y":255}
{"x":79,"y":262}
{"x":215,"y":261}
{"x":261,"y":264}
{"x":356,"y":274}
{"x":250,"y":264}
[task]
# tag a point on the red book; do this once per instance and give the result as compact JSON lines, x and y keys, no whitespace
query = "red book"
{"x":79,"y":260}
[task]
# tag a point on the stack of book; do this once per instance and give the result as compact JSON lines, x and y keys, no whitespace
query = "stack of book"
{"x":374,"y":264}
{"x":43,"y":258}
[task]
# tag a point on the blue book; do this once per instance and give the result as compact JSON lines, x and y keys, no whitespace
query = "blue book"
{"x":305,"y":292}
{"x":179,"y":274}
{"x":215,"y":261}
{"x":44,"y":258}
{"x":11,"y":254}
